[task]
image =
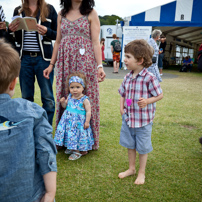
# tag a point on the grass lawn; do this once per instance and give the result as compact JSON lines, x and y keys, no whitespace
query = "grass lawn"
{"x":174,"y":167}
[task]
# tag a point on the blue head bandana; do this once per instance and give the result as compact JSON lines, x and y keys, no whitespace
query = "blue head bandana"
{"x":76,"y":79}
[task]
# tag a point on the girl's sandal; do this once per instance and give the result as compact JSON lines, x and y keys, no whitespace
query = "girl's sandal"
{"x":68,"y":151}
{"x":75,"y":156}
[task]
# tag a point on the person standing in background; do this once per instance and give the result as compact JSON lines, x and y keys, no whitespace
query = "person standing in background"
{"x":35,"y":49}
{"x":152,"y":42}
{"x":102,"y":44}
{"x":116,"y":49}
{"x":161,"y":53}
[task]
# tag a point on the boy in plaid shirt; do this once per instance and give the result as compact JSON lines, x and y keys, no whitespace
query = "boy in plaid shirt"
{"x":139,"y":91}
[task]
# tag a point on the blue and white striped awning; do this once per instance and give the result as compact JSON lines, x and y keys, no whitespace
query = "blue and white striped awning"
{"x":180,"y":13}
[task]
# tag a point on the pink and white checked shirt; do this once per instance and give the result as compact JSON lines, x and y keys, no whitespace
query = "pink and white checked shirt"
{"x":145,"y":85}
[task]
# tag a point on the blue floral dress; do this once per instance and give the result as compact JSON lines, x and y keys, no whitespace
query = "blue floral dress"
{"x":70,"y":130}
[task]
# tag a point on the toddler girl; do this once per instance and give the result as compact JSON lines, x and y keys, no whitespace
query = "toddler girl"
{"x":73,"y":130}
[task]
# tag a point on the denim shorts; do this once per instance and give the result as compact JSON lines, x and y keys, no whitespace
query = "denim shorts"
{"x":136,"y":138}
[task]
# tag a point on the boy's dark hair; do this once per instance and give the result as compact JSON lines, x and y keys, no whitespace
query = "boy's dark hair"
{"x":140,"y":49}
{"x":85,"y":8}
{"x":79,"y":75}
{"x":9,"y":65}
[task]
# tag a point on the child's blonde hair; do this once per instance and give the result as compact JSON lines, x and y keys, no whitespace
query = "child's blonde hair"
{"x":9,"y":65}
{"x":140,"y":49}
{"x":82,"y":76}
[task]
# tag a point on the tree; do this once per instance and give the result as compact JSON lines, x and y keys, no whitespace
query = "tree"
{"x":109,"y":20}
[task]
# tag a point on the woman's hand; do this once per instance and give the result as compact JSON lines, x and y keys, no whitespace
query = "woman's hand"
{"x":41,"y":29}
{"x":101,"y":75}
{"x":3,"y":25}
{"x":47,"y":71}
{"x":13,"y":26}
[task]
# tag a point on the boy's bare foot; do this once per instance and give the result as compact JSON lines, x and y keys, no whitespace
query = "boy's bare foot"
{"x":126,"y":173}
{"x":140,"y":179}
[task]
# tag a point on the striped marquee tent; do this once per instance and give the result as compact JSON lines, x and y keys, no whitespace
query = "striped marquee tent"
{"x":181,"y":19}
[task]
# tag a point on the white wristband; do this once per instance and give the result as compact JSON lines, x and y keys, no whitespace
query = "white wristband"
{"x":99,"y":66}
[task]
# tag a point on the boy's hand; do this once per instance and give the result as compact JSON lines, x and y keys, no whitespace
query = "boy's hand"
{"x":48,"y":197}
{"x":86,"y":125}
{"x":142,"y":102}
{"x":50,"y":186}
{"x":122,"y":111}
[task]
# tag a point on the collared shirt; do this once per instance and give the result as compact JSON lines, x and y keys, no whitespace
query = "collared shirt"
{"x":144,"y":85}
{"x":27,"y":150}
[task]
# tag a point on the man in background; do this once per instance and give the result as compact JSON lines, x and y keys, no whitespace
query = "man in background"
{"x":116,"y":49}
{"x":188,"y":63}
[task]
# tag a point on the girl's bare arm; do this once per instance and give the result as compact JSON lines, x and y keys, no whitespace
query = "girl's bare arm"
{"x":87,"y":107}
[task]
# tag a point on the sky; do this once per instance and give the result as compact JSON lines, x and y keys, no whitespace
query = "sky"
{"x":122,"y":8}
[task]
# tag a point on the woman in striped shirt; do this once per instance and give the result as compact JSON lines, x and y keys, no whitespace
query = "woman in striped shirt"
{"x":35,"y":49}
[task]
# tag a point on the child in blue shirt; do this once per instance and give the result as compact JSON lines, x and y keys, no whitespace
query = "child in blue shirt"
{"x":28,"y":154}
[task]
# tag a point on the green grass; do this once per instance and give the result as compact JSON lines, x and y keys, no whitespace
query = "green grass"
{"x":174,"y":168}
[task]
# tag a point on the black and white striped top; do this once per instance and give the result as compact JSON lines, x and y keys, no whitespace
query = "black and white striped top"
{"x":30,"y":42}
{"x":2,"y":15}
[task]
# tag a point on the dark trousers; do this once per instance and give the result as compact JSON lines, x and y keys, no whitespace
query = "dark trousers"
{"x":32,"y":67}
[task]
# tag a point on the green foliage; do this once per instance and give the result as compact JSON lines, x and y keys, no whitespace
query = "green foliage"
{"x":109,"y":20}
